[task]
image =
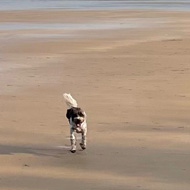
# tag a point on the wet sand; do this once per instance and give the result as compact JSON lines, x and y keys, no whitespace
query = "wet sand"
{"x":132,"y":81}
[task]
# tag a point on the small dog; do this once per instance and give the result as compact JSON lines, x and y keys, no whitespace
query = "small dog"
{"x":77,"y":120}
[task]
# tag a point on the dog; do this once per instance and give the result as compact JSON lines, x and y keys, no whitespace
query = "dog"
{"x":77,"y":120}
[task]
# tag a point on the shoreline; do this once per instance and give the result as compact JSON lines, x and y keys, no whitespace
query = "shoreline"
{"x":96,"y":5}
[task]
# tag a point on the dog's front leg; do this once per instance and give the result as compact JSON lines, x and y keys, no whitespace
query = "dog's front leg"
{"x":73,"y":140}
{"x":83,"y":142}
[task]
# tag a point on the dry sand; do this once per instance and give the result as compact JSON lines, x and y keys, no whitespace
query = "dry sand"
{"x":133,"y":83}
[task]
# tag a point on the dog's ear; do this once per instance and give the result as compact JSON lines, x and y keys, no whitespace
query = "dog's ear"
{"x":69,"y":113}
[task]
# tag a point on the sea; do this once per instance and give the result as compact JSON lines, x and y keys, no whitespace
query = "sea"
{"x":176,"y":5}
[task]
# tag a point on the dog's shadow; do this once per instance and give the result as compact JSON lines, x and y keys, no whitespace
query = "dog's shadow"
{"x":57,"y":151}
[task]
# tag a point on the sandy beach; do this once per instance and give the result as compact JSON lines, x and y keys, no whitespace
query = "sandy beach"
{"x":129,"y":70}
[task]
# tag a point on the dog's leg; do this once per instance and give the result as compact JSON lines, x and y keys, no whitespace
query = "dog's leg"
{"x":83,"y":142}
{"x":73,"y":141}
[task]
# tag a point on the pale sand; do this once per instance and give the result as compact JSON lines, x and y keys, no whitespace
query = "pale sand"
{"x":133,"y":84}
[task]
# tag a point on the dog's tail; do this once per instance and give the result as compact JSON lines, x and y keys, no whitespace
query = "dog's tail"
{"x":70,"y":101}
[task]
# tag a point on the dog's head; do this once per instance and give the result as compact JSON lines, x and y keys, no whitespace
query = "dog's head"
{"x":77,"y":115}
